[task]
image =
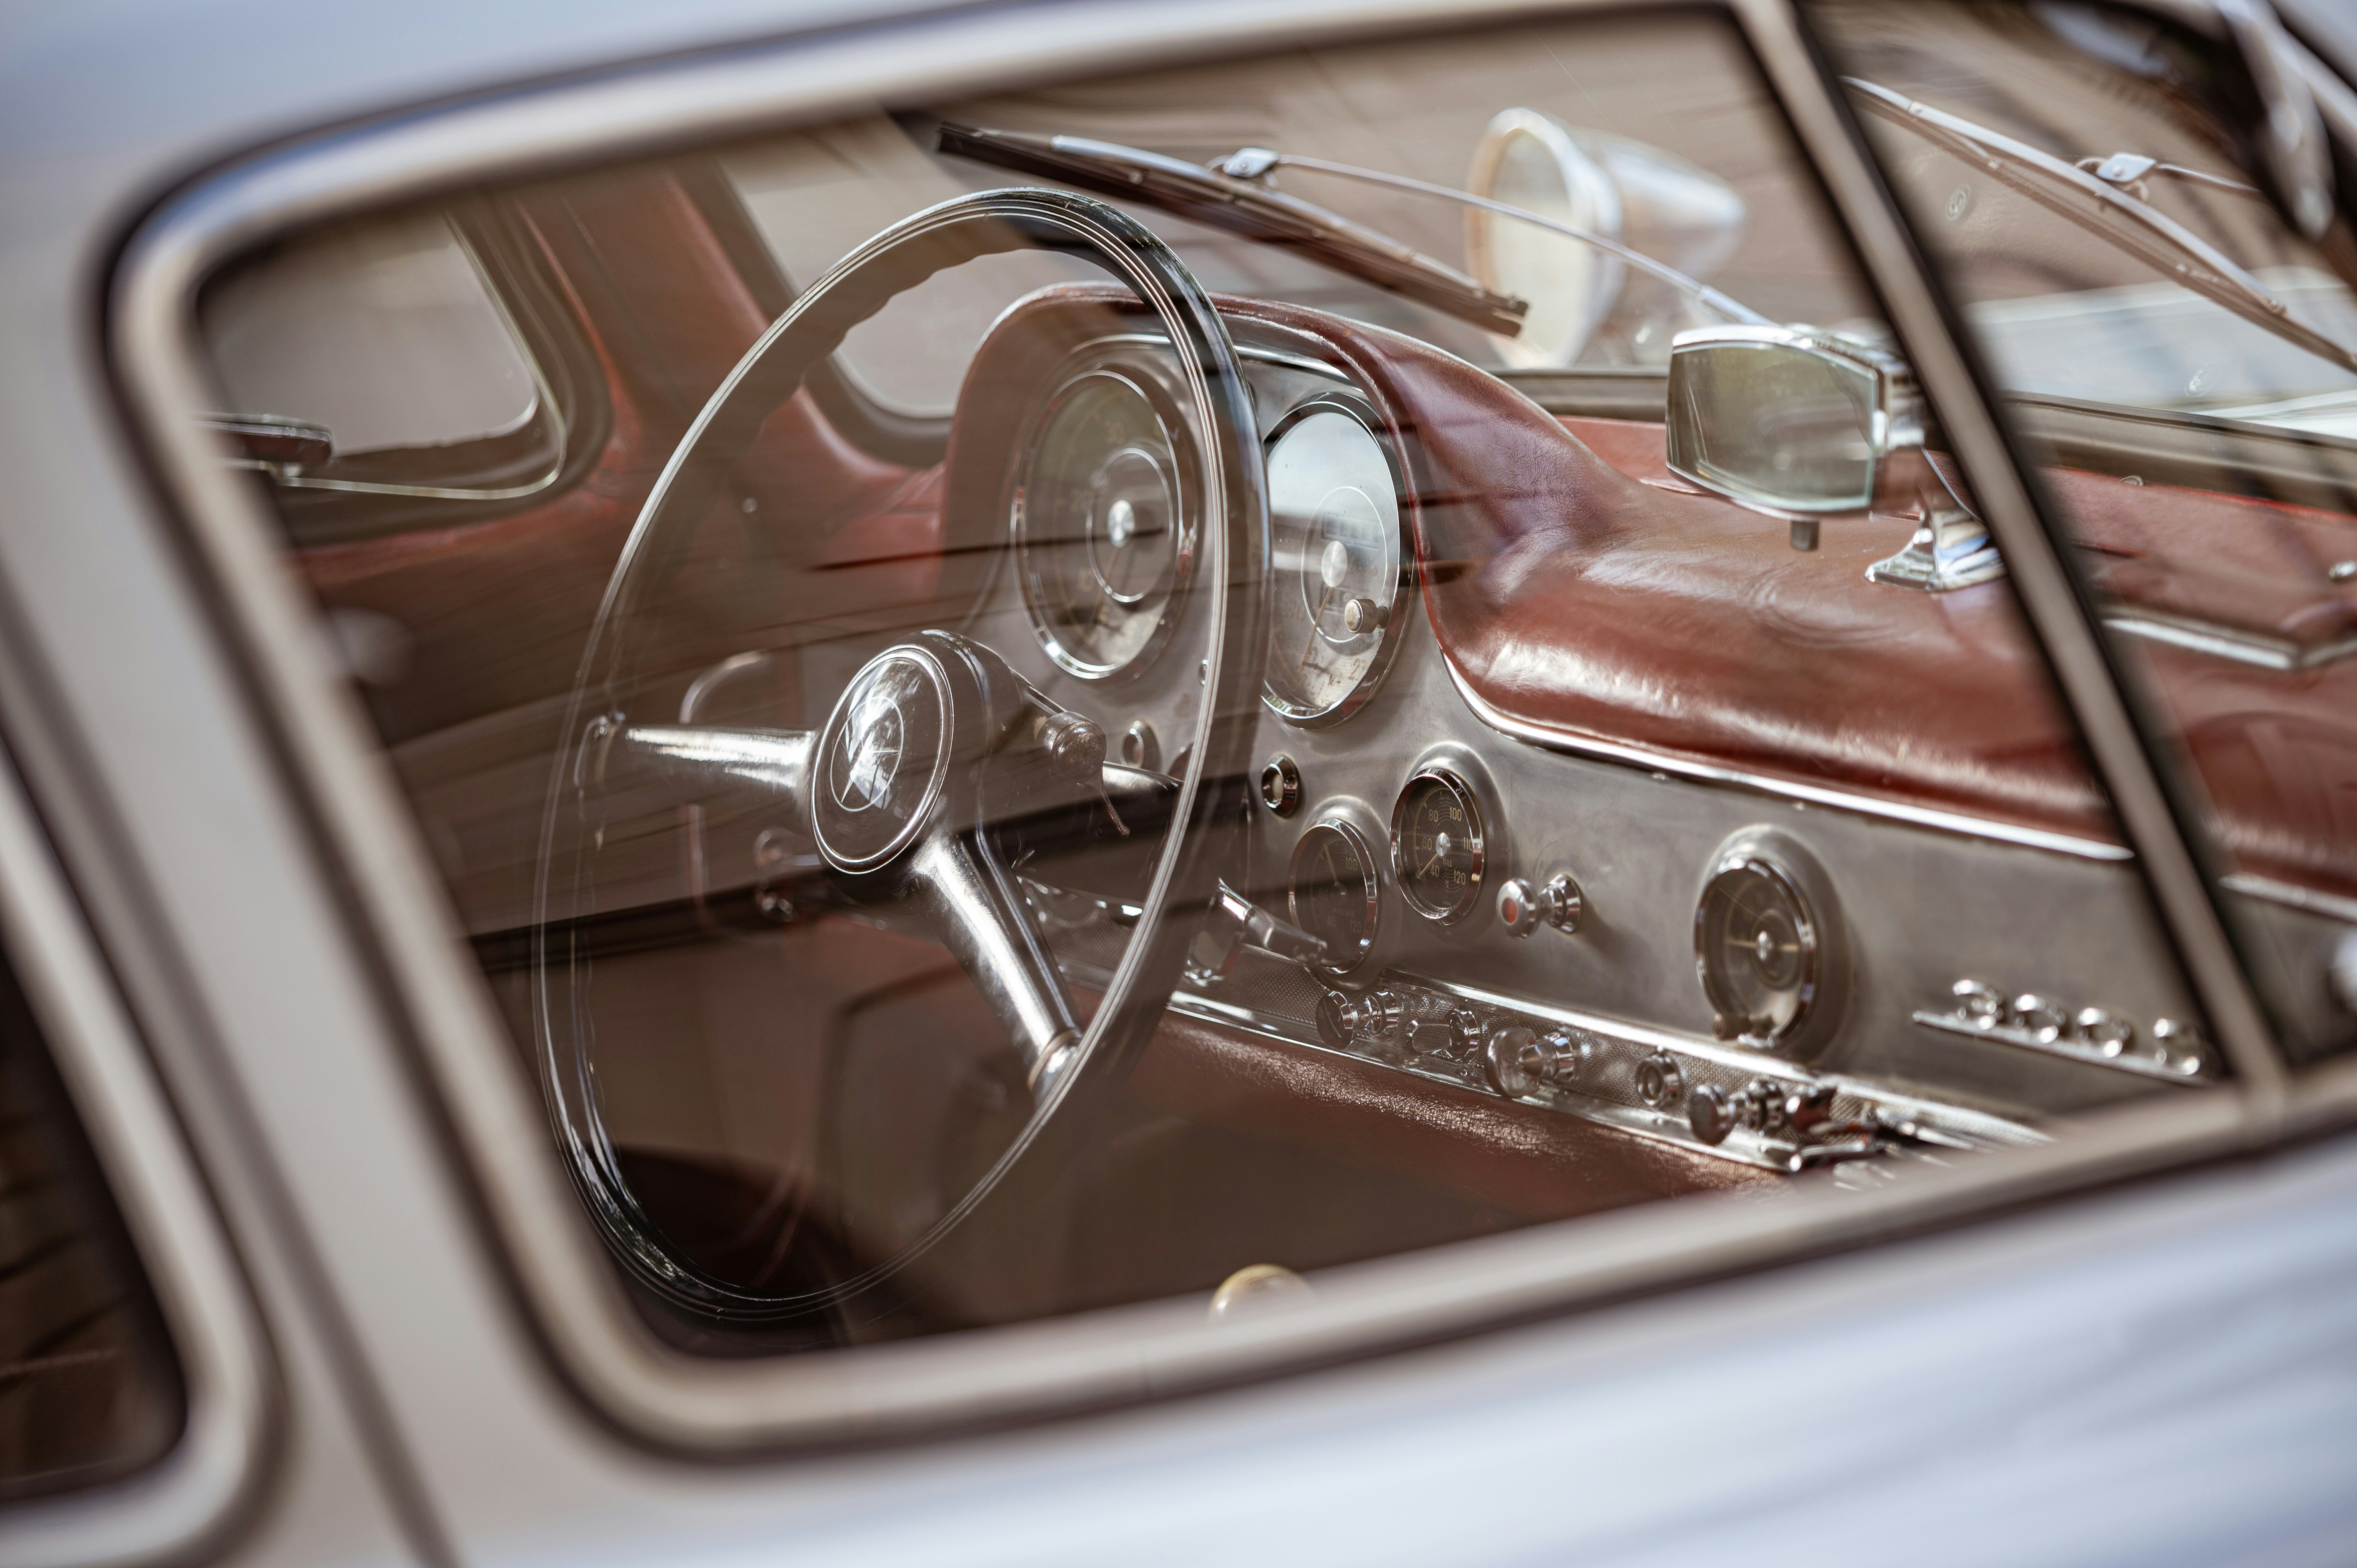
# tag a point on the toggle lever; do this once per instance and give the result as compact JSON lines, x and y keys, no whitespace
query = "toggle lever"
{"x":1237,"y":923}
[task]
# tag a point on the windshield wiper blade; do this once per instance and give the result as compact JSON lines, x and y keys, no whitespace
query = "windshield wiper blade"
{"x":2103,"y":208}
{"x":1242,"y":206}
{"x":1255,"y":163}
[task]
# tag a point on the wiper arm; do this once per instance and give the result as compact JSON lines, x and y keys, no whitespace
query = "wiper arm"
{"x":1251,"y":163}
{"x":1240,"y":206}
{"x":2103,"y":208}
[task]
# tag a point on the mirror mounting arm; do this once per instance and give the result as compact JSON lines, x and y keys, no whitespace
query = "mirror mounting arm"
{"x":1950,"y":548}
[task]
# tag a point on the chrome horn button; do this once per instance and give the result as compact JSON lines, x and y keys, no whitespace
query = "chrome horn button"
{"x":883,"y":759}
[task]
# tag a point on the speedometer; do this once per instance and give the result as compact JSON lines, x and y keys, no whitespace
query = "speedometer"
{"x":1438,"y":845}
{"x":1102,"y":533}
{"x":1334,"y":523}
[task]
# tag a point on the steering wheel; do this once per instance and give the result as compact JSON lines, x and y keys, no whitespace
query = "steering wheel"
{"x":939,"y":780}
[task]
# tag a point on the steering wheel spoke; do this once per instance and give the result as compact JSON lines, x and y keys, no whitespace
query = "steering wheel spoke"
{"x":973,"y":907}
{"x":645,"y":767}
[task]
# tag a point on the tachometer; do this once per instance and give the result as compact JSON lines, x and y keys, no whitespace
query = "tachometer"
{"x":1102,"y":539}
{"x":1332,"y":891}
{"x":1334,"y":519}
{"x":1436,"y":845}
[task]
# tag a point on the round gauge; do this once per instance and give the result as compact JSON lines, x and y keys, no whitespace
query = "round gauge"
{"x":1334,"y":535}
{"x":1332,"y":891}
{"x":1756,"y":946}
{"x":1102,"y":538}
{"x":1436,"y":845}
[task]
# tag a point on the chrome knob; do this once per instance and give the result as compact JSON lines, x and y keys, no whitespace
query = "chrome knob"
{"x":1364,"y":616}
{"x":1660,"y":1081}
{"x":2043,"y":1020}
{"x":1520,"y":906}
{"x":1517,"y":1061}
{"x":1140,"y":746}
{"x":1074,"y":744}
{"x":1713,"y":1114}
{"x":2179,"y":1048}
{"x":2105,"y":1031}
{"x":1981,"y":1004}
{"x":1280,"y":785}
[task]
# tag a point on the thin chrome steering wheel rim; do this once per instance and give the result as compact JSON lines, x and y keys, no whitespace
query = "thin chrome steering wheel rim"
{"x":1235,"y":543}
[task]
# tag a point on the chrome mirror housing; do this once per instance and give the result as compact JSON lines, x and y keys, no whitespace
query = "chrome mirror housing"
{"x":1801,"y":424}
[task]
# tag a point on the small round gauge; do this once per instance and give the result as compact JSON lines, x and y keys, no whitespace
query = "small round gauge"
{"x":1332,"y":891}
{"x":1756,"y":946}
{"x":1437,"y":832}
{"x":1334,"y":533}
{"x":1102,"y":533}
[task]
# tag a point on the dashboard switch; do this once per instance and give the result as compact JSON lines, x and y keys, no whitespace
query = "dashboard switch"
{"x":1660,"y":1081}
{"x":1522,"y":907}
{"x":1517,"y":1061}
{"x":1713,"y":1114}
{"x":1280,"y":785}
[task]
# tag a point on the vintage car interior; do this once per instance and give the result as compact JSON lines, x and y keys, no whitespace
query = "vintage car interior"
{"x":1146,"y":686}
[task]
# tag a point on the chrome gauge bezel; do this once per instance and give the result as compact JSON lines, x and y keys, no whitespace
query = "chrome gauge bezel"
{"x":1810,"y":930}
{"x":1138,"y":372}
{"x":1336,"y":823}
{"x":1388,"y":639}
{"x":1469,"y":801}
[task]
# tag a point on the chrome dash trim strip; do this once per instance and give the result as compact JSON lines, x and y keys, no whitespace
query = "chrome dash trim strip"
{"x":2225,"y":642}
{"x":1954,"y":822}
{"x":2291,"y":895}
{"x":1661,"y":1125}
{"x":1995,"y":1129}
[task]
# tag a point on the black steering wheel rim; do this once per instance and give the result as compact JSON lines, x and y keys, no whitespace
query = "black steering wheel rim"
{"x":1204,"y":834}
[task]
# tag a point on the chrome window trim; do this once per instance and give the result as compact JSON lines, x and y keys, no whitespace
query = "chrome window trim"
{"x":370,"y":840}
{"x":191,"y":1492}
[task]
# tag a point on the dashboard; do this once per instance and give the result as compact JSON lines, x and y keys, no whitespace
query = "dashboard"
{"x":1774,"y":972}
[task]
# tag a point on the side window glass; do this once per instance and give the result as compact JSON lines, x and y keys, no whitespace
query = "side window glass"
{"x":1168,"y":681}
{"x":2183,"y":366}
{"x":87,"y":1391}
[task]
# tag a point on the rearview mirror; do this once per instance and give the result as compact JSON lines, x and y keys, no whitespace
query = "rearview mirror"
{"x":1801,"y":424}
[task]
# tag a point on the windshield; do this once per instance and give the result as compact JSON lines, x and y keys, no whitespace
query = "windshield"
{"x":1698,"y":192}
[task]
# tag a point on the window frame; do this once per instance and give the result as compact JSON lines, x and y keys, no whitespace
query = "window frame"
{"x":1124,"y":1356}
{"x":197,"y":1487}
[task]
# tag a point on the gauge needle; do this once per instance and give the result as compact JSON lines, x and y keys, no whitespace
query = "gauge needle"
{"x":1323,"y":600}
